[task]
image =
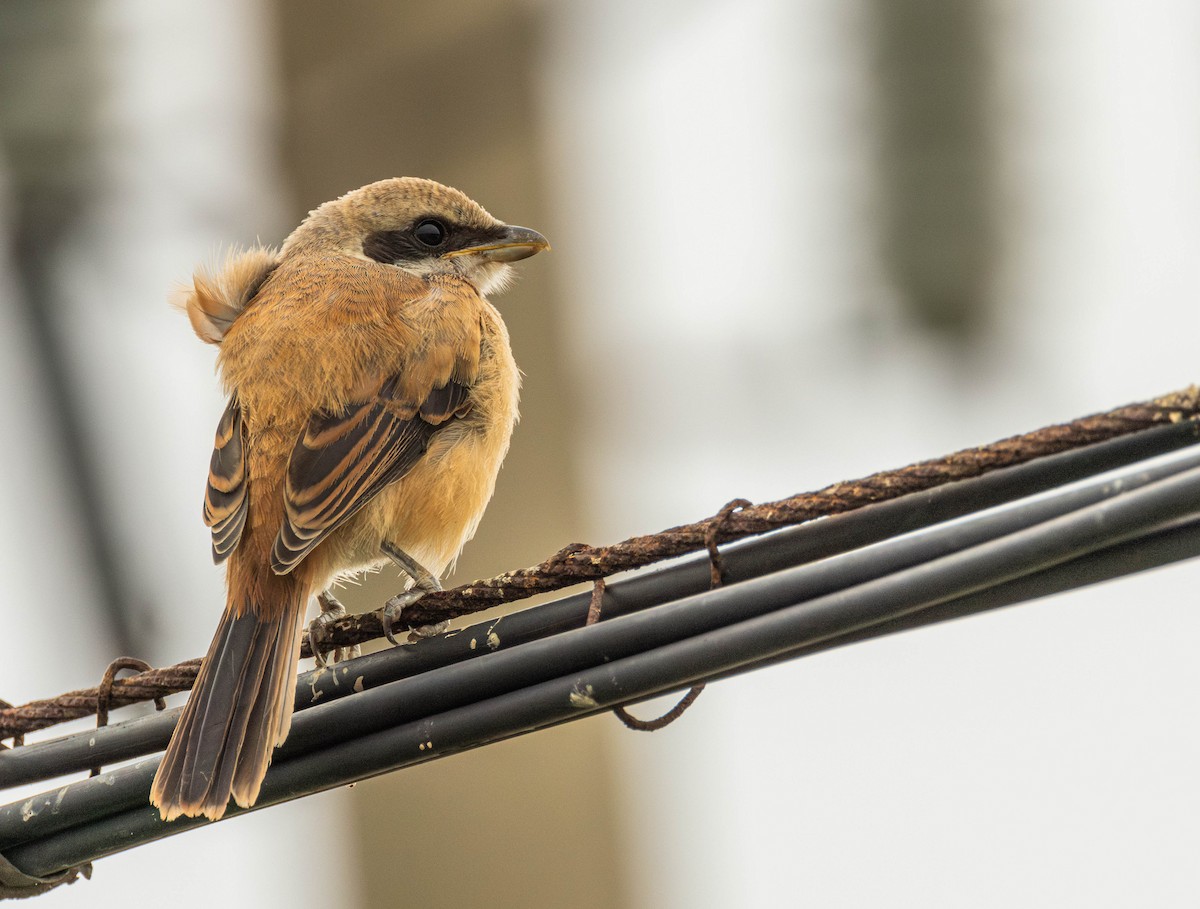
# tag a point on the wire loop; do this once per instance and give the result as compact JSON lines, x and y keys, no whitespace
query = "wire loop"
{"x":104,"y":691}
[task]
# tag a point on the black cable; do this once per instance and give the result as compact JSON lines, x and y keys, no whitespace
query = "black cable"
{"x":1172,"y":544}
{"x":743,"y":560}
{"x":751,"y":622}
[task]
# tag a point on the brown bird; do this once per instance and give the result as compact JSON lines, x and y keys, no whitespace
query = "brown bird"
{"x":372,"y":395}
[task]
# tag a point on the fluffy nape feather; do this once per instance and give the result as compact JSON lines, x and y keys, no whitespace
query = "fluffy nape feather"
{"x":217,"y":297}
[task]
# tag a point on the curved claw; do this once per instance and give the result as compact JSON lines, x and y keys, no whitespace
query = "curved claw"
{"x":331,"y":611}
{"x":394,"y":608}
{"x":385,"y":619}
{"x":315,"y":637}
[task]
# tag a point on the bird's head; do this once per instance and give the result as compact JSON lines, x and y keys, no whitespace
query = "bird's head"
{"x":420,"y":226}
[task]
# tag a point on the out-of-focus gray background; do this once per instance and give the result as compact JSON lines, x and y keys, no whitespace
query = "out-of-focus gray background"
{"x":795,"y":242}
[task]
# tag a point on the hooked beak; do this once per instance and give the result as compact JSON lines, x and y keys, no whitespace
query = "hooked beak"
{"x":514,"y":244}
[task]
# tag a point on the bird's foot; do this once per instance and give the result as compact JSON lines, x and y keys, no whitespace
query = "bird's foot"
{"x":331,"y":611}
{"x":423,"y":582}
{"x":428,"y":631}
{"x":393,"y":610}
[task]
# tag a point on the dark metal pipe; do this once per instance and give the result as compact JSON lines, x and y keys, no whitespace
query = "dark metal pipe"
{"x":743,"y":560}
{"x":760,"y":621}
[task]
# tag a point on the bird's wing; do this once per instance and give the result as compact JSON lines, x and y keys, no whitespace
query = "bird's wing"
{"x":346,"y":456}
{"x":225,"y":496}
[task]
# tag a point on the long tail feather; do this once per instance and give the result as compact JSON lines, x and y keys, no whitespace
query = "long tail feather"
{"x":239,"y":711}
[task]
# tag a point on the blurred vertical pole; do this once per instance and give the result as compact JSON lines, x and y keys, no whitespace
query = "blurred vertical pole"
{"x":48,"y":94}
{"x":935,"y":164}
{"x":138,"y":140}
{"x":386,"y":89}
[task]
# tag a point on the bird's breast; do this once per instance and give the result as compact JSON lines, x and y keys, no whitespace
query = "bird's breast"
{"x":436,"y":507}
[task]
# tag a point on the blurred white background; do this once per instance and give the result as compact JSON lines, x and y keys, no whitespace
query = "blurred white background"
{"x":794,"y":243}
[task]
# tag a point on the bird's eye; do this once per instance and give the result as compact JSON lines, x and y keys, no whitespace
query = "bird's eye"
{"x":430,"y":232}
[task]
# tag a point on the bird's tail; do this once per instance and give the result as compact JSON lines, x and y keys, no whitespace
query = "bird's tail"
{"x":240,"y":708}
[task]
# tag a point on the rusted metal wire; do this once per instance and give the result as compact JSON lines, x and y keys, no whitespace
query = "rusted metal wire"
{"x":18,"y":740}
{"x":104,"y":691}
{"x":712,"y":540}
{"x":716,"y":579}
{"x":578,"y":563}
{"x":659,"y":722}
{"x":621,"y":713}
{"x":145,"y":686}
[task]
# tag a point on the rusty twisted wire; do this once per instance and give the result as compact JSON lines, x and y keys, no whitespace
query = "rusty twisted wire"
{"x":579,"y":563}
